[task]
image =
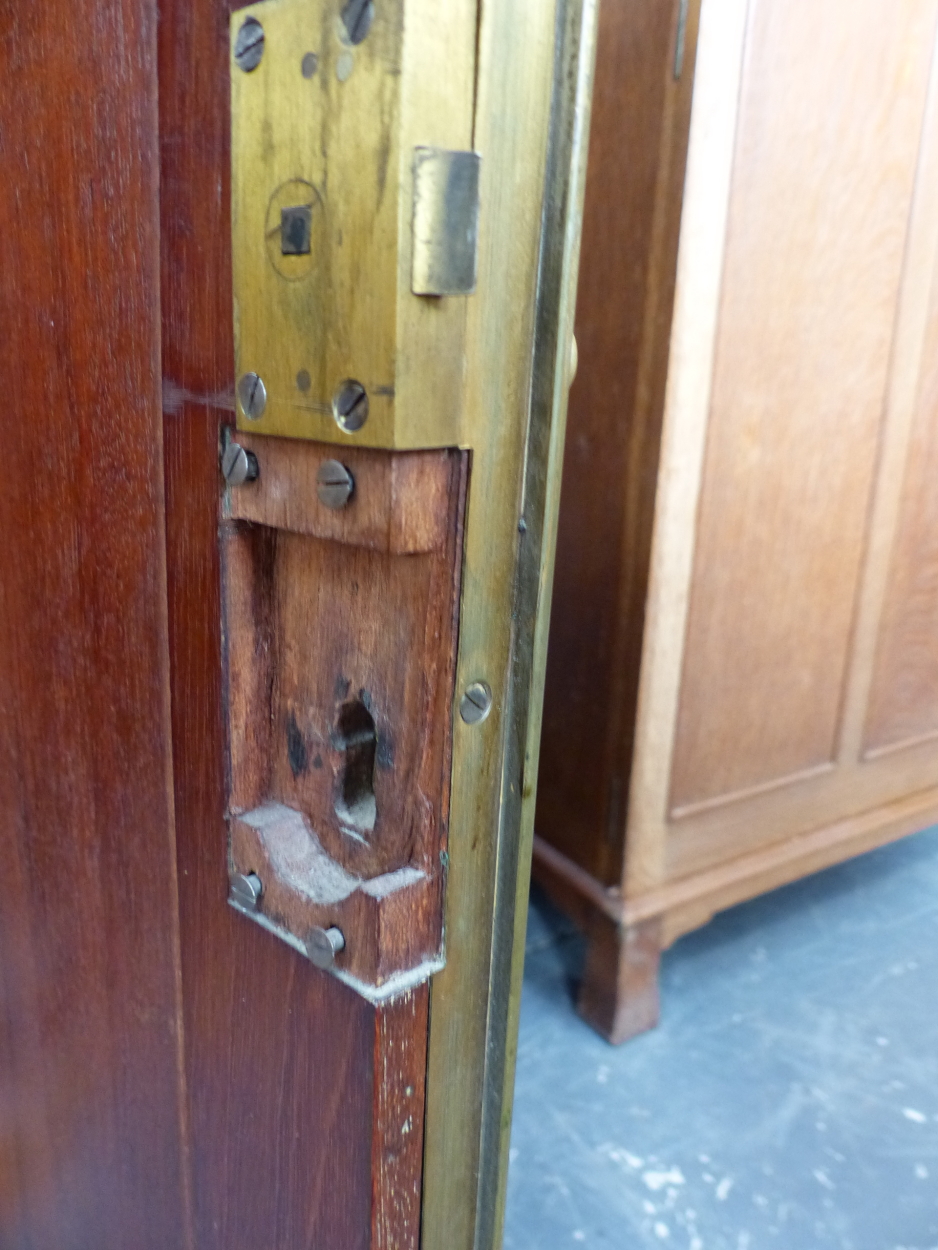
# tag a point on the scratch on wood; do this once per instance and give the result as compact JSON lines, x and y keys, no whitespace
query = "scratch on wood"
{"x":175,"y":397}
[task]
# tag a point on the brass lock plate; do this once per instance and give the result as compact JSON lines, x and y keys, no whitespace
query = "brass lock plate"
{"x":348,"y":144}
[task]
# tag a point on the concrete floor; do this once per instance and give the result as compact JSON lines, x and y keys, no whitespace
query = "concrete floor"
{"x":789,"y":1098}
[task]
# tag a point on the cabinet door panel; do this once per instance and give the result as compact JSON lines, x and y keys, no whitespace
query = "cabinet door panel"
{"x":824,"y":173}
{"x":790,"y":600}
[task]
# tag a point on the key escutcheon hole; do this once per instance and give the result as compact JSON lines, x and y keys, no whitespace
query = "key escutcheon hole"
{"x":355,"y":803}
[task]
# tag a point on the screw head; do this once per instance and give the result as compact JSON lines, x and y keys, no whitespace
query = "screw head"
{"x":245,"y":889}
{"x":238,"y":465}
{"x":334,"y":484}
{"x":350,"y":406}
{"x":476,"y":703}
{"x":252,"y":395}
{"x":322,"y":946}
{"x":249,"y":45}
{"x":344,"y":64}
{"x":357,"y":16}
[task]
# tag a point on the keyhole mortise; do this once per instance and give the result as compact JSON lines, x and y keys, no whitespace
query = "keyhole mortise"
{"x":355,"y":735}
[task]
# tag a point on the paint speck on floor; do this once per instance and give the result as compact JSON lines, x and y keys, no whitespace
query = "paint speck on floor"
{"x":787,"y":1101}
{"x":658,"y":1180}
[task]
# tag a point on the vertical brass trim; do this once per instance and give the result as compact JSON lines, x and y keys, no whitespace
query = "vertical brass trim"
{"x":553,"y":374}
{"x":680,"y":38}
{"x":535,"y":83}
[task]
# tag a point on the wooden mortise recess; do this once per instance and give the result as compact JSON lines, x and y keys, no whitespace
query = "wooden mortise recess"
{"x":340,"y":644}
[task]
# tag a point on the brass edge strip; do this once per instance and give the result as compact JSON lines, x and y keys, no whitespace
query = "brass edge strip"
{"x":514,"y":84}
{"x":535,"y":79}
{"x":564,"y":187}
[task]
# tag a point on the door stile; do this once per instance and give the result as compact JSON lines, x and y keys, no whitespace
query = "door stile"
{"x":537,"y":70}
{"x":279,"y":1058}
{"x":306,"y":1097}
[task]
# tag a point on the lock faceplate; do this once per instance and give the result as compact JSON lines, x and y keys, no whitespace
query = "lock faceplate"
{"x":325,"y":139}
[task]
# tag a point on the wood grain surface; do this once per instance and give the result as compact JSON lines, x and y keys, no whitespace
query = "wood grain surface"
{"x":398,"y":503}
{"x":400,"y":1062}
{"x":786,"y":704}
{"x":350,"y":627}
{"x":904,"y":695}
{"x":92,"y":1130}
{"x":627,"y":271}
{"x":340,"y":655}
{"x":819,"y":213}
{"x":799,"y":459}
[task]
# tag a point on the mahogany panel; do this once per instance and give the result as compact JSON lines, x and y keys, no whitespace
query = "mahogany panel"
{"x":400,"y":1058}
{"x":638,"y":149}
{"x":92,"y":1148}
{"x":904,"y":696}
{"x":811,"y":279}
{"x":280,"y":1057}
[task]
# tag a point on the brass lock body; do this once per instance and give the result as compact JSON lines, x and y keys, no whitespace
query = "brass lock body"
{"x":354,"y":221}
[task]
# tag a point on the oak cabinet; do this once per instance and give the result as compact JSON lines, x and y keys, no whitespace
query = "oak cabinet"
{"x":742,"y":680}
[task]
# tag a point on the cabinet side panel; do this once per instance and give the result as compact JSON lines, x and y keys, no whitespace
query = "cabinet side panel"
{"x":638,"y":147}
{"x":811,"y":279}
{"x":904,"y":696}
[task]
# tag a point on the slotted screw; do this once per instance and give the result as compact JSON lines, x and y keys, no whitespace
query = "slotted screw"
{"x":476,"y":703}
{"x":357,"y":17}
{"x":245,"y":889}
{"x":334,"y":484}
{"x":252,"y":395}
{"x":350,"y":406}
{"x":322,"y":946}
{"x":249,"y":45}
{"x":238,"y":465}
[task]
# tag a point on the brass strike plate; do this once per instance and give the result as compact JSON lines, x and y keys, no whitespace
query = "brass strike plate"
{"x":354,"y":219}
{"x":446,"y":222}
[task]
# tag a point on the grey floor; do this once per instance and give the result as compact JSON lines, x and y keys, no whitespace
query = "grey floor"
{"x":789,"y":1098}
